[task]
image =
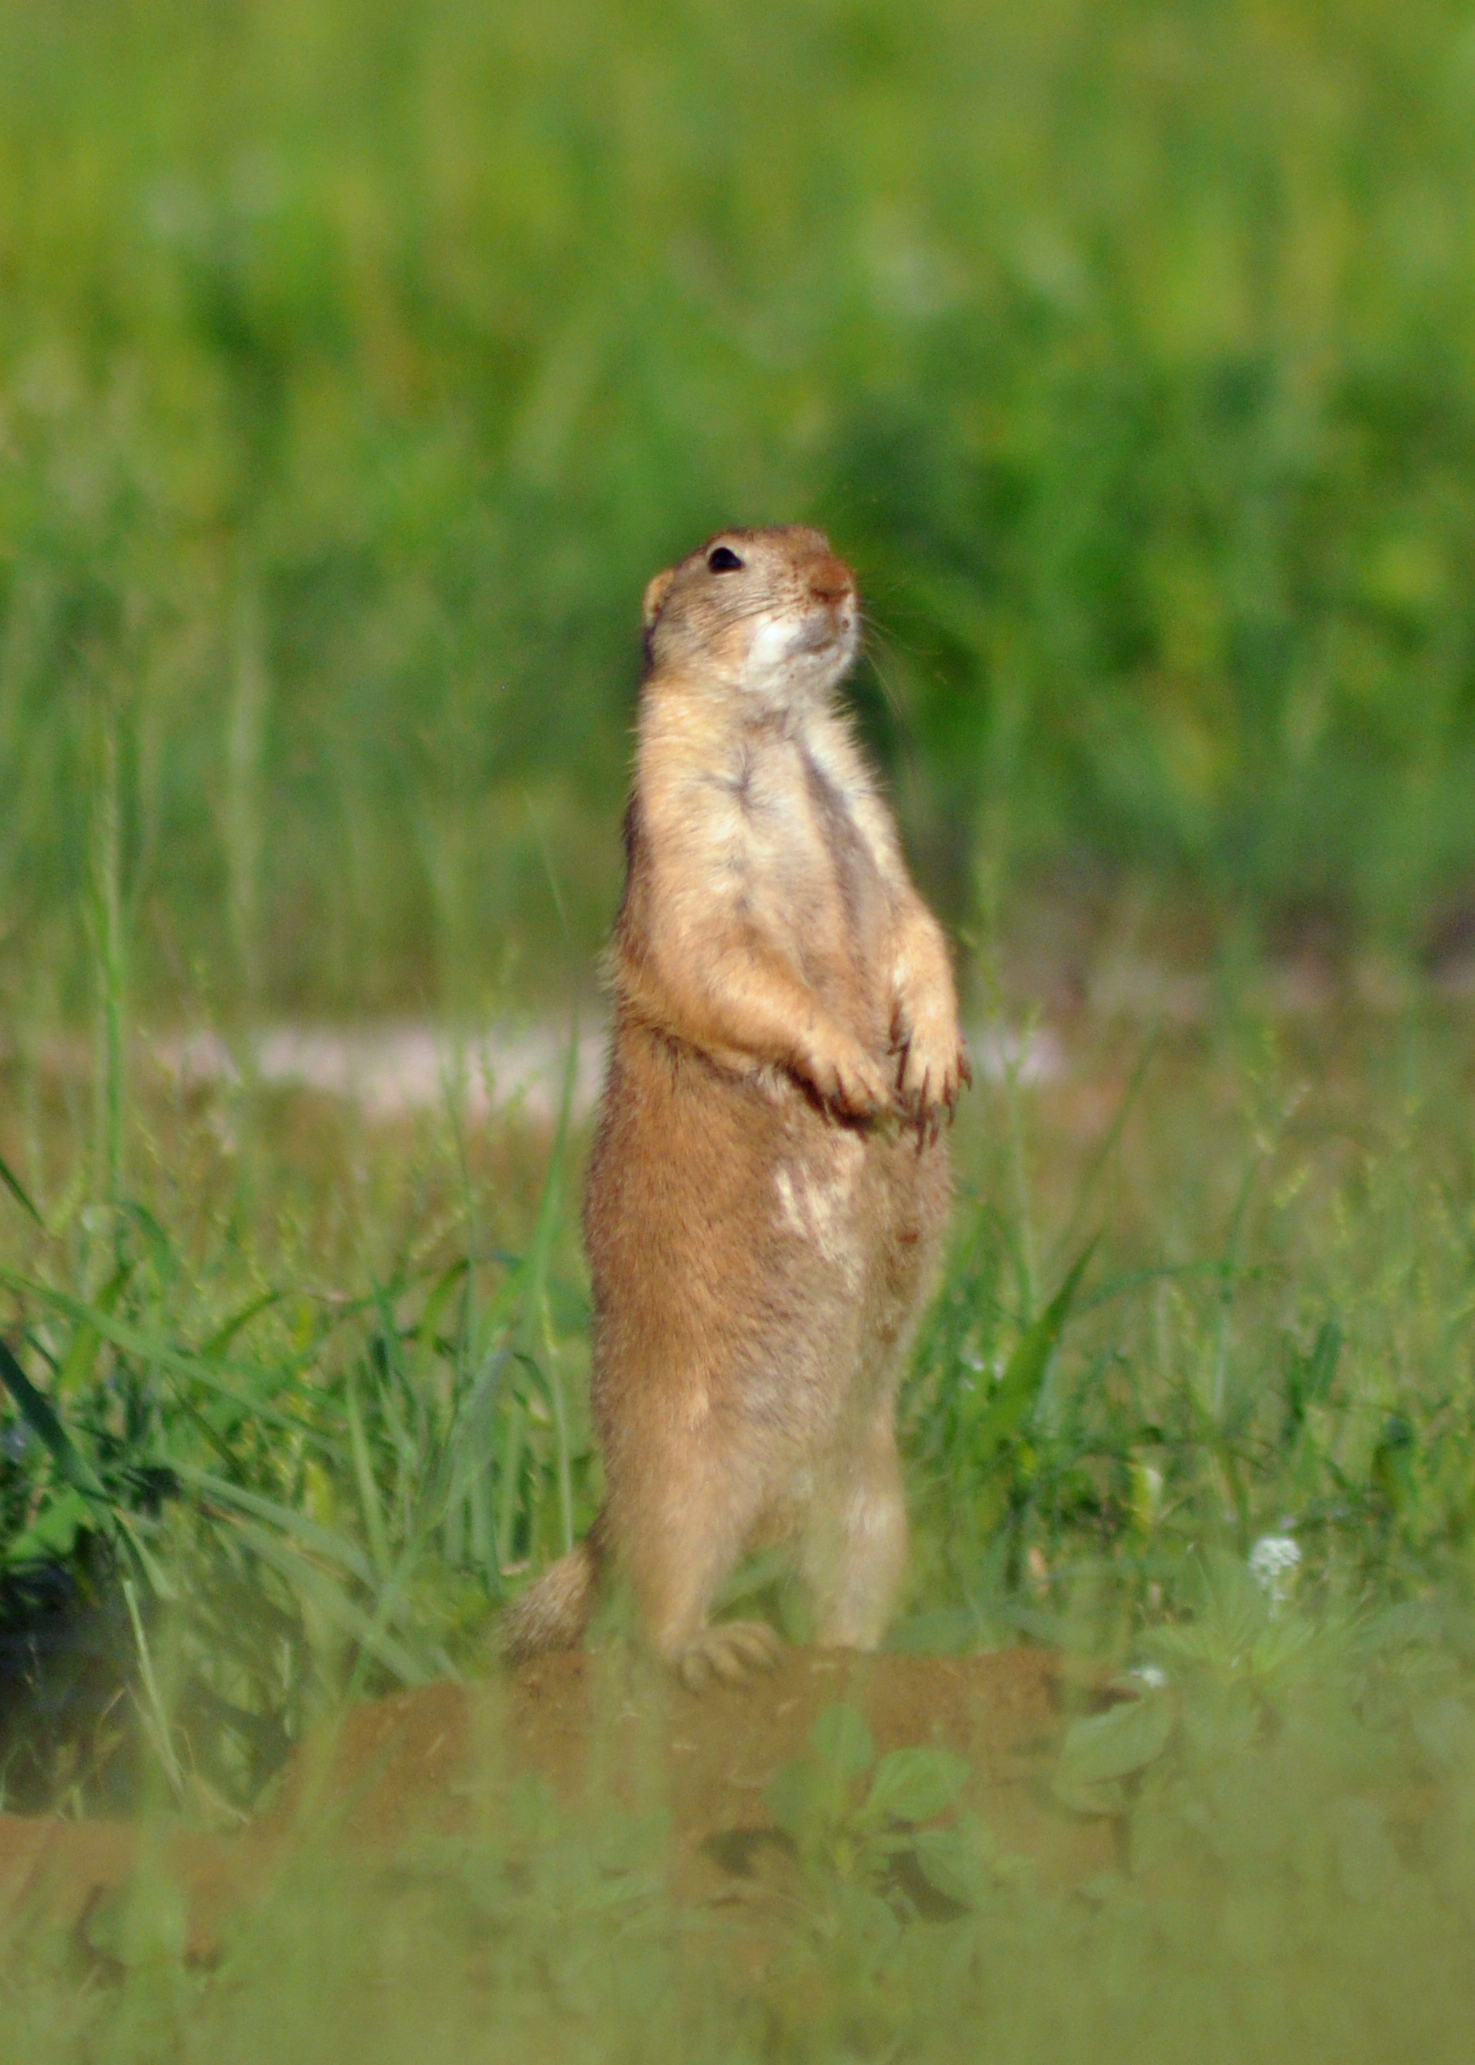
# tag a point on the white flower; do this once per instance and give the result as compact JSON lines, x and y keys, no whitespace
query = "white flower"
{"x":1274,"y":1561}
{"x":1150,"y":1675}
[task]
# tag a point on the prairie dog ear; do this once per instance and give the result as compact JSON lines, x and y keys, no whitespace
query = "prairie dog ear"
{"x":656,"y":593}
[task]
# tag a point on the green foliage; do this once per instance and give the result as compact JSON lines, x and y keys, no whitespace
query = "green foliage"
{"x":278,"y":1416}
{"x":1274,"y":1886}
{"x":851,"y":1835}
{"x":1126,"y":348}
{"x":300,"y":1498}
{"x":546,"y":1892}
{"x":1100,"y":1750}
{"x":1305,"y":1383}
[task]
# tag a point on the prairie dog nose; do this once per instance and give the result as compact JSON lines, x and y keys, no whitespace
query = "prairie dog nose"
{"x":830,"y":581}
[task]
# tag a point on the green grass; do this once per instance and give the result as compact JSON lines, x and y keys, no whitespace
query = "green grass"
{"x":310,"y":1431}
{"x":359,"y":364}
{"x":307,"y":1402}
{"x":339,"y":1368}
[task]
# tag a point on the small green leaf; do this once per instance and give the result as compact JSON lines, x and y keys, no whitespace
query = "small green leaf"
{"x":790,"y":1797}
{"x":842,"y":1742}
{"x":864,"y":1914}
{"x":916,"y":1784}
{"x":1007,"y":1408}
{"x":40,"y":1416}
{"x":52,"y":1535}
{"x":142,"y":1923}
{"x":949,"y":1864}
{"x":1103,"y":1748}
{"x":1105,"y":1798}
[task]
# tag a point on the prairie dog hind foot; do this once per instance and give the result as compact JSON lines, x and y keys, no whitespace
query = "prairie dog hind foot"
{"x":727,"y":1654}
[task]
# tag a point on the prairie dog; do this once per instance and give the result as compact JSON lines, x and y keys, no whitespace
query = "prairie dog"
{"x":769,"y":1185}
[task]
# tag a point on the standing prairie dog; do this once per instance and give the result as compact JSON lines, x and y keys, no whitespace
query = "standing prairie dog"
{"x":768,"y":1186}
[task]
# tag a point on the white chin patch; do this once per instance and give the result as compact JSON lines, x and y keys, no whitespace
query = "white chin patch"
{"x":782,"y":654}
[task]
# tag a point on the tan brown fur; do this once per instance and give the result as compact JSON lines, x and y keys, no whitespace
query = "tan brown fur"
{"x":769,"y":1184}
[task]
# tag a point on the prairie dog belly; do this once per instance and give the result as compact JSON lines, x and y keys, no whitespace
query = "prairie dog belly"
{"x":752,"y":1259}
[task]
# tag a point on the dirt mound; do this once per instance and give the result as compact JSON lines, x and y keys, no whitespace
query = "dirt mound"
{"x":601,"y":1729}
{"x":607,"y":1725}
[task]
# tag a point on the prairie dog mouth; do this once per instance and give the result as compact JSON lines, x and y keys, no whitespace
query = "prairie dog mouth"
{"x":818,"y":633}
{"x":822,"y":637}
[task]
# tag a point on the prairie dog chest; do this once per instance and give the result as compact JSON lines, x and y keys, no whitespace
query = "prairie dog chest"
{"x":800,"y":846}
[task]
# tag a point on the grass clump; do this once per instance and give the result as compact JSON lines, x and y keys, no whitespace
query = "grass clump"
{"x":301,"y":1491}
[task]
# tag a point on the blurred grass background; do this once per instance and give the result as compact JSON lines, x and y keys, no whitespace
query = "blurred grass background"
{"x":359,"y":363}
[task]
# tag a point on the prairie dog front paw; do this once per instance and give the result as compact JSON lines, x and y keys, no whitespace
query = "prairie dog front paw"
{"x":933,"y":1067}
{"x":846,"y":1076}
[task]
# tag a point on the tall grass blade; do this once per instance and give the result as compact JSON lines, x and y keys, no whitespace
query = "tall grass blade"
{"x":160,"y":1583}
{"x":40,"y":1416}
{"x":216,"y":1374}
{"x":19,"y":1192}
{"x":106,"y":902}
{"x":533,"y":1292}
{"x":80,"y":1360}
{"x":441,"y":1293}
{"x":1007,"y":1407}
{"x":221,"y":1339}
{"x":363,"y":1470}
{"x":336,"y":1606}
{"x":297,"y":1527}
{"x":156,"y":1718}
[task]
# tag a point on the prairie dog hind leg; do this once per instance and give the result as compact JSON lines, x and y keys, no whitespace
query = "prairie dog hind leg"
{"x":678,"y":1546}
{"x":853,"y":1545}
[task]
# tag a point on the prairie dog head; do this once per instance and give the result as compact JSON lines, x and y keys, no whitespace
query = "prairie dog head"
{"x":768,"y":614}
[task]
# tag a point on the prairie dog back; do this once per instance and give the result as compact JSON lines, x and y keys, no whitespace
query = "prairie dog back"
{"x":769,"y":1181}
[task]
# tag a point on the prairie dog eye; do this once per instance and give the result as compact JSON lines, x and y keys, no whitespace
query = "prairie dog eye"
{"x":723,"y":560}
